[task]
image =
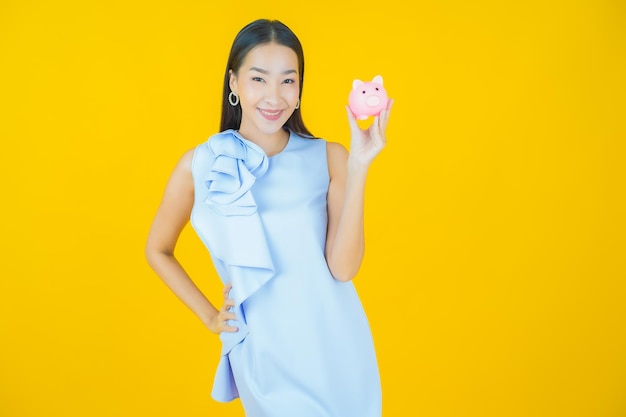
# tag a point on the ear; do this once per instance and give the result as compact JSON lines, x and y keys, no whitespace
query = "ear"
{"x":232,"y":82}
{"x":378,"y":79}
{"x":356,"y":83}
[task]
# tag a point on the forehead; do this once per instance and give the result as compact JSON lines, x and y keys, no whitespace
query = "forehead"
{"x":272,"y":57}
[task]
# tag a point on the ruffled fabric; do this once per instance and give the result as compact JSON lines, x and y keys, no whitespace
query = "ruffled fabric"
{"x":238,"y":163}
{"x":237,"y":238}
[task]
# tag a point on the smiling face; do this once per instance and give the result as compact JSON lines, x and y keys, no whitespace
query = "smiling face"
{"x":268,"y":85}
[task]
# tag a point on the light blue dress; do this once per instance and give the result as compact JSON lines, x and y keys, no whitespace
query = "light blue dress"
{"x":304,"y":346}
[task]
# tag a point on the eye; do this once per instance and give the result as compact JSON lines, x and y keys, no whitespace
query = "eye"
{"x":376,"y":88}
{"x":289,"y":81}
{"x":259,"y":79}
{"x":363,"y":91}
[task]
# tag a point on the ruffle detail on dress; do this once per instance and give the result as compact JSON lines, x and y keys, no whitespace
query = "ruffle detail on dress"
{"x":237,"y":237}
{"x":238,"y":163}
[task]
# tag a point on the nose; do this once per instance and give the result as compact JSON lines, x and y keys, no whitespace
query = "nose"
{"x":272,"y":95}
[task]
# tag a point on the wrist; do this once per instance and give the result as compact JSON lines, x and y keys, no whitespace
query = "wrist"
{"x":356,"y":168}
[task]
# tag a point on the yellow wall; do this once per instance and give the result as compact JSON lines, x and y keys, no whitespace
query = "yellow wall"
{"x":494,"y":278}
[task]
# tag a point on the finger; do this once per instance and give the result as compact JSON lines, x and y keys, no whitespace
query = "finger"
{"x":225,"y":316}
{"x":230,"y":329}
{"x":378,"y":126}
{"x":351,"y":119}
{"x":383,"y":119}
{"x":384,"y":115}
{"x":374,"y":128}
{"x":228,"y":303}
{"x":227,"y":326}
{"x":387,"y":112}
{"x":227,"y":289}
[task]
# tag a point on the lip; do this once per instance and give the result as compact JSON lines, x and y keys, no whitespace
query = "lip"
{"x":271,"y":115}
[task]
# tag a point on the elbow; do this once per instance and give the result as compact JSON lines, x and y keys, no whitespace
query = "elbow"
{"x":343,"y":273}
{"x":344,"y":277}
{"x":153,"y":254}
{"x":149,"y":254}
{"x":344,"y":268}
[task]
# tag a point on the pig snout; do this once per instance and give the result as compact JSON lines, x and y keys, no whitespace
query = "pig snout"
{"x":373,"y":101}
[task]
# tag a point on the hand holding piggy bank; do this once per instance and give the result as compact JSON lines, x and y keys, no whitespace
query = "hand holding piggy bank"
{"x":367,"y":98}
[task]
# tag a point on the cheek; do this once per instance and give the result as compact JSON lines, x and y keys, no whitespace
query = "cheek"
{"x":249,"y":90}
{"x":294,"y":92}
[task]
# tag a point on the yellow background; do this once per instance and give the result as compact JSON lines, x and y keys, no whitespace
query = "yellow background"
{"x":495,"y":266}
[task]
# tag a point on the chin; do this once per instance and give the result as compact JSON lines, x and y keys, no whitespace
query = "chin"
{"x":273,"y":127}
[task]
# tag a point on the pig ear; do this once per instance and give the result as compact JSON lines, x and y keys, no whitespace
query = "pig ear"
{"x":378,"y":79}
{"x":356,"y":83}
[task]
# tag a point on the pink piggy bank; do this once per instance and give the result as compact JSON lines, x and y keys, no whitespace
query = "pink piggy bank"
{"x":367,"y":98}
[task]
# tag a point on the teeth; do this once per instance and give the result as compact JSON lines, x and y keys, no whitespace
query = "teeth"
{"x":269,"y":113}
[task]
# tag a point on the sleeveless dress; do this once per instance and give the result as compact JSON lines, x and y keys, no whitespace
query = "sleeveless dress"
{"x":304,"y":346}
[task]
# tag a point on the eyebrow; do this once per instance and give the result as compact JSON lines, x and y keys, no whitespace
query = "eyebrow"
{"x":262,"y":71}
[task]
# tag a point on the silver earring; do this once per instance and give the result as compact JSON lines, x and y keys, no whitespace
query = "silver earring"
{"x":230,"y":98}
{"x":298,"y":104}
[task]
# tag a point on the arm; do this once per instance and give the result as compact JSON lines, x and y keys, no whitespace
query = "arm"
{"x":345,"y":242}
{"x":169,"y":221}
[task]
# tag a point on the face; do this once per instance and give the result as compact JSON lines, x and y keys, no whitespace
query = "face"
{"x":268,"y":85}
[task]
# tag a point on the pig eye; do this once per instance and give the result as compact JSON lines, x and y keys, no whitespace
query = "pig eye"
{"x":376,"y":88}
{"x":363,"y":91}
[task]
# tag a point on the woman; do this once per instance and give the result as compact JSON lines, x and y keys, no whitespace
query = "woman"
{"x":281,"y":213}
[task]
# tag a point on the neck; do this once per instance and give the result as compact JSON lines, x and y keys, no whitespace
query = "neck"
{"x":271,"y":144}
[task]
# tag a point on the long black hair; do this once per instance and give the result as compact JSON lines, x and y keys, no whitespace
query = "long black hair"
{"x":253,"y":34}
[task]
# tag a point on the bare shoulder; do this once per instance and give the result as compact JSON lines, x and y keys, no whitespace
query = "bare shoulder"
{"x":185,"y":161}
{"x":181,"y":178}
{"x":336,"y":150}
